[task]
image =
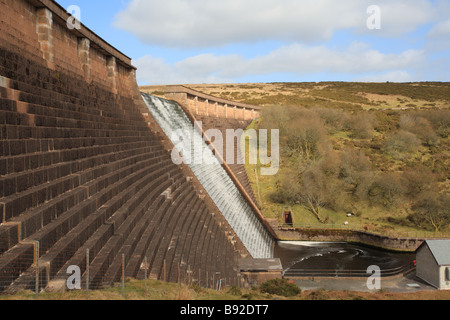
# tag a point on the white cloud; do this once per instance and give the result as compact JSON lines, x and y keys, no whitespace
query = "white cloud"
{"x":152,"y":70}
{"x":400,"y":17}
{"x":206,"y":23}
{"x":440,"y":30}
{"x":358,"y":59}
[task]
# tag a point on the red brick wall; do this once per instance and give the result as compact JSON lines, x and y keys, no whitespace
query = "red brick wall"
{"x":19,"y":26}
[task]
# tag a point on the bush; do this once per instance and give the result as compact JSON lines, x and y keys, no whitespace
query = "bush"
{"x":440,"y":120}
{"x":280,"y":287}
{"x":418,"y":179}
{"x":196,"y":288}
{"x":421,"y":127}
{"x":334,"y":119}
{"x":235,"y":291}
{"x":400,"y":144}
{"x":305,"y":135}
{"x":318,"y":295}
{"x":287,"y":189}
{"x":386,"y":190}
{"x":362,"y":125}
{"x":431,"y":211}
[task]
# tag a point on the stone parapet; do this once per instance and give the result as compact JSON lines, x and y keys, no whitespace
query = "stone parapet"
{"x":203,"y":104}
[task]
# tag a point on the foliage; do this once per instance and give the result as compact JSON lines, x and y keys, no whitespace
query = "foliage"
{"x":373,"y":149}
{"x":321,"y":174}
{"x":386,"y":190}
{"x":235,"y":291}
{"x":421,"y":127}
{"x":401,"y":144}
{"x":361,"y":125}
{"x":431,"y":210}
{"x":280,"y":287}
{"x":319,"y":295}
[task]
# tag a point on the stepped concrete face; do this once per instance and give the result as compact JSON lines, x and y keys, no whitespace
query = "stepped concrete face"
{"x":216,"y":179}
{"x":217,"y":114}
{"x":86,"y":180}
{"x":237,"y":166}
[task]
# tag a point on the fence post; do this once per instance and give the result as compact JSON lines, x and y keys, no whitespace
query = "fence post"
{"x":164,"y":270}
{"x":145,"y":273}
{"x":123,"y":275}
{"x":36,"y":258}
{"x":189,"y":275}
{"x":87,"y":271}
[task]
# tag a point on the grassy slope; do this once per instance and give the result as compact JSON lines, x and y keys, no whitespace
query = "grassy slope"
{"x":156,"y":290}
{"x":336,"y":94}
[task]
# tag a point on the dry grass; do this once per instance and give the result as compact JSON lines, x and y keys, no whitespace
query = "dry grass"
{"x":361,"y":95}
{"x":156,"y":290}
{"x":347,"y":295}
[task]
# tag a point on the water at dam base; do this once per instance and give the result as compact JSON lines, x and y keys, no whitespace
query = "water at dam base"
{"x":337,"y":256}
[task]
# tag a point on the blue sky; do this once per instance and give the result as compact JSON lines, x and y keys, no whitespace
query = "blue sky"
{"x":238,"y":41}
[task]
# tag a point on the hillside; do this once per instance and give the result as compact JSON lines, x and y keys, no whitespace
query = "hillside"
{"x":350,"y":96}
{"x":380,"y":151}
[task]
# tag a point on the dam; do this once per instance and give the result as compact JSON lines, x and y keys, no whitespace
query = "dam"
{"x":214,"y":178}
{"x":87,"y":177}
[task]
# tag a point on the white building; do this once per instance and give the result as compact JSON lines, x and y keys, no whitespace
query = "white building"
{"x":433,"y":263}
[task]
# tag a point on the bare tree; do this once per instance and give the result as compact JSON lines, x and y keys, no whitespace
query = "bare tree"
{"x":305,"y":136}
{"x":320,"y":187}
{"x":400,"y":144}
{"x":355,"y":167}
{"x":421,"y":127}
{"x":313,"y":192}
{"x":432,"y":209}
{"x":362,"y":125}
{"x":386,"y":190}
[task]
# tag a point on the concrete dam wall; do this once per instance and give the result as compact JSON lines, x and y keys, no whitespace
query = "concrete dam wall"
{"x":205,"y":105}
{"x":86,"y":179}
{"x":213,"y":177}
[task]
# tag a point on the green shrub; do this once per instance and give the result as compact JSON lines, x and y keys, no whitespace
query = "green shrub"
{"x":280,"y":287}
{"x":235,"y":291}
{"x":318,"y":295}
{"x":386,"y":190}
{"x":196,"y":288}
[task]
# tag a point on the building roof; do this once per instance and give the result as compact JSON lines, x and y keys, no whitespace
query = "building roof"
{"x":440,"y":250}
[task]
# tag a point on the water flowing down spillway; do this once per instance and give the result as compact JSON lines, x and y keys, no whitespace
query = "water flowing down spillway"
{"x":207,"y":168}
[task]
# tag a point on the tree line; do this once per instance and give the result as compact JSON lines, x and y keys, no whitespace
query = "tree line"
{"x":346,"y":160}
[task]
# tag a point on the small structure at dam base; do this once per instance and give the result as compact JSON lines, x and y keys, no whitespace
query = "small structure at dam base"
{"x":433,"y":263}
{"x":257,"y":271}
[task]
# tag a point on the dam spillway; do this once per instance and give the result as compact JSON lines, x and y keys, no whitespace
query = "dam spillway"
{"x":209,"y":171}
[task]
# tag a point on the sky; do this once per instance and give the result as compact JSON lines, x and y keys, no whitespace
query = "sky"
{"x":260,"y":41}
